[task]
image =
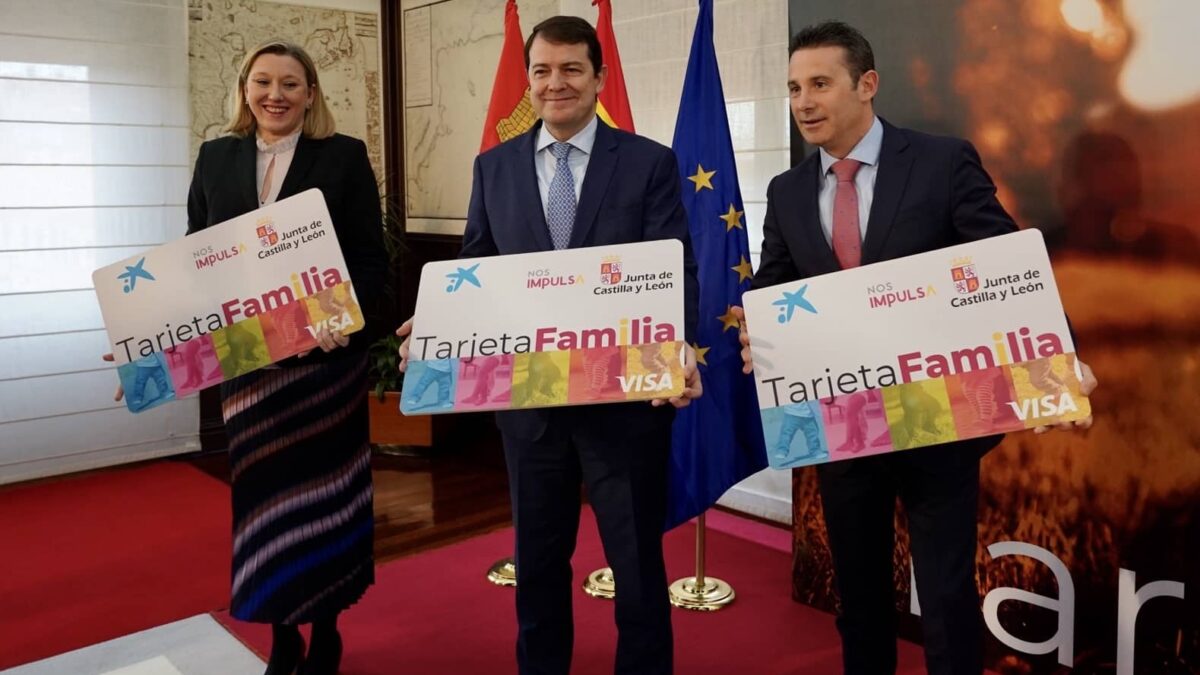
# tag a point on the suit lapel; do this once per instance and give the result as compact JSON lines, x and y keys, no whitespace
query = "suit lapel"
{"x":810,"y":217}
{"x":894,"y":165}
{"x":306,"y":155}
{"x":600,"y":168}
{"x":527,"y":193}
{"x":247,"y":180}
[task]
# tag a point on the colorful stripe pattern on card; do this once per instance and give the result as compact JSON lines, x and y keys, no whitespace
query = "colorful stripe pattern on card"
{"x":238,"y":348}
{"x":543,"y":379}
{"x":916,"y":414}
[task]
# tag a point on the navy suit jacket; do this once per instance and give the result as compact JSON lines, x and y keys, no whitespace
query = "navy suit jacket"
{"x":630,"y":193}
{"x":930,"y":192}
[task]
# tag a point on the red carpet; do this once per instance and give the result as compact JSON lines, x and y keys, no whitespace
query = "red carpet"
{"x":96,"y":557}
{"x":435,"y":614}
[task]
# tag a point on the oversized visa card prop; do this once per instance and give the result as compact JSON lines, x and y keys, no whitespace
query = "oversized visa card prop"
{"x":535,"y":330}
{"x":962,"y":342}
{"x":225,"y":301}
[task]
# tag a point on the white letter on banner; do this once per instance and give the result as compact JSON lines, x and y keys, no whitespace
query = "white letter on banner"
{"x":1129,"y":603}
{"x":1064,"y":638}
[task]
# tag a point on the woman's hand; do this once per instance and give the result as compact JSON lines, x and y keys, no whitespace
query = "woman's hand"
{"x":120,"y":393}
{"x":327,"y":340}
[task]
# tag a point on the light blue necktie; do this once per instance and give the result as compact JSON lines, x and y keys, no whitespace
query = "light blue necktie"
{"x":560,"y":201}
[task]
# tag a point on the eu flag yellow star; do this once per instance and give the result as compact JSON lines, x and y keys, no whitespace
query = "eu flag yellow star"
{"x":729,"y":319}
{"x":700,"y":352}
{"x":732,"y":219}
{"x":743,"y":268}
{"x":702,"y":179}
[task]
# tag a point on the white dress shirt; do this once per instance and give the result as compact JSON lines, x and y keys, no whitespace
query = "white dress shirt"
{"x":283,"y":150}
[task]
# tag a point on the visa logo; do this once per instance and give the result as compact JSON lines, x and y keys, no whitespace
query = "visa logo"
{"x":332,"y":323}
{"x":1046,"y":406}
{"x":647,"y":382}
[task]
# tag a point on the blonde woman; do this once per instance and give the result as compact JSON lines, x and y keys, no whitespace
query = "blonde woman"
{"x":300,"y":463}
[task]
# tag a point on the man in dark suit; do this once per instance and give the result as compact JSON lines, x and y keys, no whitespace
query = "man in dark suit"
{"x":876,"y":192}
{"x":573,"y":182}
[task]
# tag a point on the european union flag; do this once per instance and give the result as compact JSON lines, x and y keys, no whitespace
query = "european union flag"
{"x":717,"y":440}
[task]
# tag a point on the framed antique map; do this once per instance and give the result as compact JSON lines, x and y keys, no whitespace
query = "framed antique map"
{"x":451,"y":48}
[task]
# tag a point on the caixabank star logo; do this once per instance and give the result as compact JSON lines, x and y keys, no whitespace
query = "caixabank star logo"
{"x":463,"y":275}
{"x":790,"y":302}
{"x":134,"y":272}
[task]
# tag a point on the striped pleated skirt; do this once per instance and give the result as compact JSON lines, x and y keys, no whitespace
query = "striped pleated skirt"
{"x":301,"y":467}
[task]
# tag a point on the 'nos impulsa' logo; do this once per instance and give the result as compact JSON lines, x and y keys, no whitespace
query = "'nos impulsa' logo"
{"x":962,"y":271}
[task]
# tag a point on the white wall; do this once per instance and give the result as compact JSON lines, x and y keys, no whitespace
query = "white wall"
{"x":654,"y":38}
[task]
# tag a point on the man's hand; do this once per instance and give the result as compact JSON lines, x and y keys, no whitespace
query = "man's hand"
{"x":120,"y":393}
{"x":403,"y":331}
{"x":327,"y":340}
{"x":1086,"y":386}
{"x":744,"y":338}
{"x":692,"y":386}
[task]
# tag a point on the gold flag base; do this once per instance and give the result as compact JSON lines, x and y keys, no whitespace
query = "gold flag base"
{"x":709,"y":595}
{"x":701,"y":593}
{"x":600,"y":584}
{"x":503,"y":573}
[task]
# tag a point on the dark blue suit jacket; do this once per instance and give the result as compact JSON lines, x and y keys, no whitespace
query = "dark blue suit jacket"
{"x":930,"y":192}
{"x":630,"y":193}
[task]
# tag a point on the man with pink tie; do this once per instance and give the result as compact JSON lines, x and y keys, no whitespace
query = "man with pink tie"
{"x":876,"y":192}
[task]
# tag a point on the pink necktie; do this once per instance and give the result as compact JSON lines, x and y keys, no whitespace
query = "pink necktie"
{"x":847,"y":241}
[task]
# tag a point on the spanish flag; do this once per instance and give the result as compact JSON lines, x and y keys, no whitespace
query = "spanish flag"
{"x":509,"y":112}
{"x":613,"y":107}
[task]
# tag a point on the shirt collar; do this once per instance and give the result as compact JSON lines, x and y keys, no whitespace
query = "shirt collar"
{"x":867,"y":150}
{"x":582,"y":141}
{"x":283,"y":145}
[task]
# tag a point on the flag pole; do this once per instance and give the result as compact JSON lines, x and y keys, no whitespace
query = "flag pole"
{"x":612,"y":107}
{"x":701,"y":593}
